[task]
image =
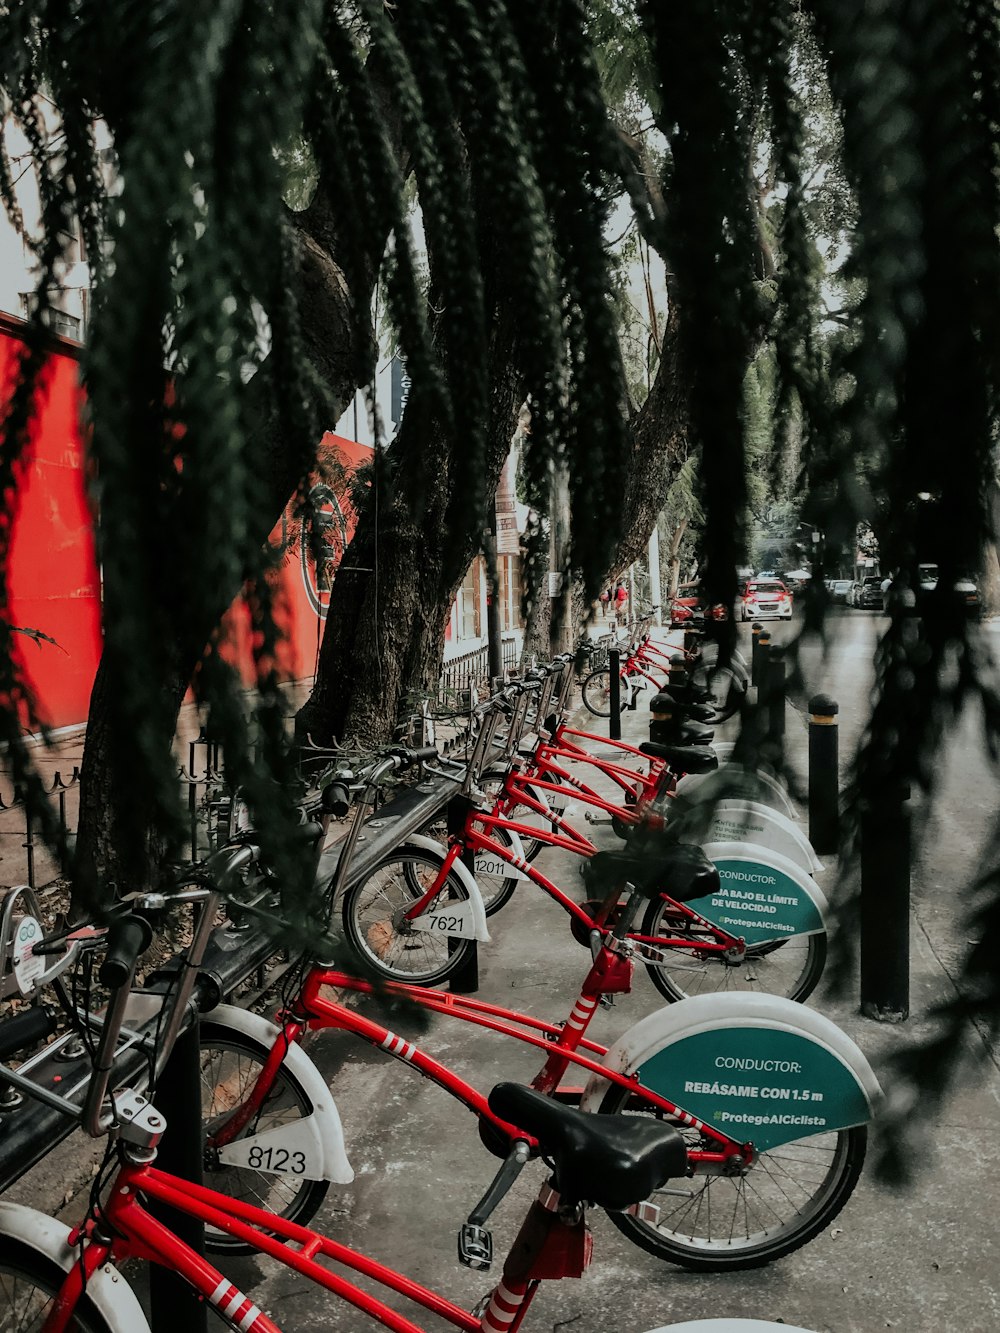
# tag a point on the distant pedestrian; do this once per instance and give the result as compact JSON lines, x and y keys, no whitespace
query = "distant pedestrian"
{"x":621,"y":605}
{"x":605,"y":600}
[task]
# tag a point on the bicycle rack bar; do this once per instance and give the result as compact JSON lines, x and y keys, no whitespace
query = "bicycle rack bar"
{"x":173,"y":1303}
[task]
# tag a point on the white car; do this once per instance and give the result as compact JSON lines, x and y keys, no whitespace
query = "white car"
{"x":765,"y":599}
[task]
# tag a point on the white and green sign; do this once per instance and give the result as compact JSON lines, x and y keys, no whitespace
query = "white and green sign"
{"x":761,"y":1084}
{"x":743,"y":821}
{"x":762,"y":895}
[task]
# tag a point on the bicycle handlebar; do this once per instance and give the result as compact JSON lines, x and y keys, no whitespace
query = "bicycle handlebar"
{"x":130,"y":937}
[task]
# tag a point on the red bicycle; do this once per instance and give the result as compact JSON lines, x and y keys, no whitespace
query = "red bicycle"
{"x":723,"y":686}
{"x":684,"y":952}
{"x":54,"y":1278}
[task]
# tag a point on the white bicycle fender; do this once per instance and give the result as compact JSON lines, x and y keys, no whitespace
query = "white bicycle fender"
{"x":734,"y":820}
{"x":728,"y":1326}
{"x":765,"y":890}
{"x":106,"y":1289}
{"x":760,"y":786}
{"x":322,"y":1131}
{"x":463,"y":872}
{"x":705,"y":1015}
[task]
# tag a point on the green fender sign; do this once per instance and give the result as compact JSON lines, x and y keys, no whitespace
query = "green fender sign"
{"x":759,"y":901}
{"x":761,"y":1084}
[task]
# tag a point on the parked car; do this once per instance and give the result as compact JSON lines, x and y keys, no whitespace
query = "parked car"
{"x":764,"y":599}
{"x":867,"y":593}
{"x":965,"y":587}
{"x":839,"y":588}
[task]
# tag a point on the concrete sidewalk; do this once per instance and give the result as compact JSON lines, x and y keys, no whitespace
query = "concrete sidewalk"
{"x":924,"y":1259}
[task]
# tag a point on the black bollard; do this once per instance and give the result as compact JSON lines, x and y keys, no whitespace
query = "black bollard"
{"x":824,"y":774}
{"x":885,"y":908}
{"x":677,"y":673}
{"x":173,"y":1303}
{"x":615,"y":694}
{"x":776,"y":693}
{"x":662,"y":720}
{"x":756,"y":630}
{"x":465,"y":979}
{"x":763,"y":659}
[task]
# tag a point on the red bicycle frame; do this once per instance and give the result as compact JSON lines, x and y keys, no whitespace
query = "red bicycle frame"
{"x":564,"y":1044}
{"x":539,"y":1251}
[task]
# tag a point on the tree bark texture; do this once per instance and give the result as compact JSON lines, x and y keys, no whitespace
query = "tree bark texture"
{"x":659,"y":447}
{"x":392,"y":594}
{"x":341,"y":352}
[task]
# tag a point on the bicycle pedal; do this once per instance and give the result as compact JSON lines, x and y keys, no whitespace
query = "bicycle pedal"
{"x":475,"y":1247}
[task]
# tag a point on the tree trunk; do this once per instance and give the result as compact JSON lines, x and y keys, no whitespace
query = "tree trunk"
{"x":391,"y":597}
{"x":112,"y":848}
{"x":675,"y":556}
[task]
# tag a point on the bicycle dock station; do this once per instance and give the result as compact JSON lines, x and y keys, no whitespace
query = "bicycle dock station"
{"x":753,"y":1059}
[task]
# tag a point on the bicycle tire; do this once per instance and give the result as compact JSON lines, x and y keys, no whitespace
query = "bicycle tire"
{"x":29,"y":1283}
{"x":794,"y":966}
{"x":727,"y":689}
{"x":839,"y":1154}
{"x":229,"y":1081}
{"x":596,"y":693}
{"x":371,"y":913}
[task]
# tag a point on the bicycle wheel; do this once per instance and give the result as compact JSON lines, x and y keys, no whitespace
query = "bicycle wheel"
{"x":780,"y":967}
{"x":230,"y":1065}
{"x":492,"y":783}
{"x":726,"y":688}
{"x":29,"y":1284}
{"x":596,"y":692}
{"x":376,"y":930}
{"x":720,"y":1223}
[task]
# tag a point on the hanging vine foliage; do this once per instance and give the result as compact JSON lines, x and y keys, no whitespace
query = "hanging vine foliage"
{"x":197,"y":263}
{"x":196,"y":295}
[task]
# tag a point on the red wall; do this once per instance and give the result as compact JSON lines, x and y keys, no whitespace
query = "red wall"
{"x":52,"y":574}
{"x":53,"y":578}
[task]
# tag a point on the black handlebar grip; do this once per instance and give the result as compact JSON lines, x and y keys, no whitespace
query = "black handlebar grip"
{"x":336,"y":800}
{"x":22,"y":1030}
{"x":426,"y":754}
{"x":130,"y":937}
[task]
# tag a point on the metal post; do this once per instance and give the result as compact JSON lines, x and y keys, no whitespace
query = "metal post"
{"x":465,"y":979}
{"x":493,"y":632}
{"x":615,"y":695}
{"x":762,"y":663}
{"x":662,"y":723}
{"x":174,"y":1304}
{"x":678,"y":671}
{"x":756,"y":630}
{"x":824,"y":774}
{"x":776,"y":693}
{"x":885,"y":908}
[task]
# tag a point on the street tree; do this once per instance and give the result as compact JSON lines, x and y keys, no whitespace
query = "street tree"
{"x":227,"y":328}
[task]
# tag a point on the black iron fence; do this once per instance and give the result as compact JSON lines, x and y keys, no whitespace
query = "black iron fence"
{"x":26,"y":858}
{"x":461,"y":675}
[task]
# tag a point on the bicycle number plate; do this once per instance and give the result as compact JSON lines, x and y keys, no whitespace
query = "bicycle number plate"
{"x":287,"y":1150}
{"x":456,"y":919}
{"x":496,"y":865}
{"x":28,"y":967}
